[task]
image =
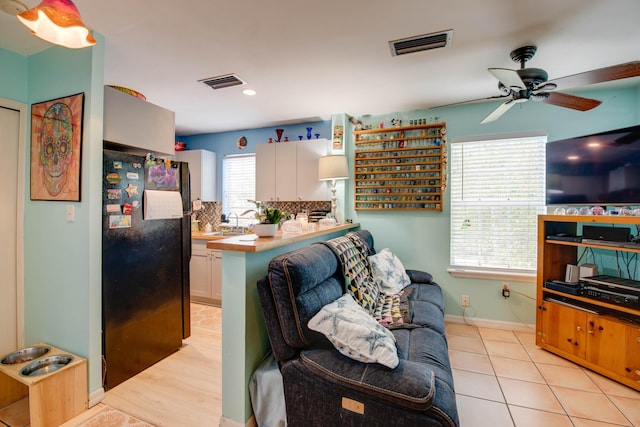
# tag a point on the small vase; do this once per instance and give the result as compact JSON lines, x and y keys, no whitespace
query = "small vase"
{"x":309,"y":133}
{"x":265,"y":230}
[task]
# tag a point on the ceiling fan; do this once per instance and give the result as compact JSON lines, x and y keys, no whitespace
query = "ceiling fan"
{"x":526,"y":84}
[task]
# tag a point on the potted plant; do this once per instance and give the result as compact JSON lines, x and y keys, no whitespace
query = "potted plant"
{"x":268,"y":219}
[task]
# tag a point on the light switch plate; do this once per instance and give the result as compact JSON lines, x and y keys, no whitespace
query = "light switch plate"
{"x":71,"y":214}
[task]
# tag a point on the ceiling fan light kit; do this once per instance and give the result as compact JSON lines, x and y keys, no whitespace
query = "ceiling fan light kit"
{"x":58,"y":22}
{"x":526,"y":84}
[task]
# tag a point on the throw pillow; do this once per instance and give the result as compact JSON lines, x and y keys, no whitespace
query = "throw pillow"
{"x":388,"y":272}
{"x":354,"y":333}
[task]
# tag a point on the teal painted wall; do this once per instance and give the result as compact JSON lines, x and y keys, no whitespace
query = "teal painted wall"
{"x":13,"y":69}
{"x":224,"y":144}
{"x":62,"y":280}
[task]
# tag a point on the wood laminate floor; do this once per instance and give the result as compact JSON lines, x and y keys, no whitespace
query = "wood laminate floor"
{"x":181,"y":390}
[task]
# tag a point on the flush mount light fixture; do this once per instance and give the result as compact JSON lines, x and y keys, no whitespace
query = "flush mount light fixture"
{"x":249,"y":92}
{"x":58,"y":22}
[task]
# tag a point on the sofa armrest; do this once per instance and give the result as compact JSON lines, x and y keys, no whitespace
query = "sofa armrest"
{"x":418,"y":276}
{"x":409,"y":385}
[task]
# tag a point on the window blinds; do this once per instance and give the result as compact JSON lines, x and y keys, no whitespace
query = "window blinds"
{"x":497,"y":191}
{"x":239,"y":185}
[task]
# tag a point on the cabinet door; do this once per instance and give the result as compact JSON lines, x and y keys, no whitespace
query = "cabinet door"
{"x":564,"y":328}
{"x":200,"y":272}
{"x":606,"y":343}
{"x":202,"y":172}
{"x":632,"y":353}
{"x":216,"y":275}
{"x":266,"y":172}
{"x":308,"y":153}
{"x":285,"y":172}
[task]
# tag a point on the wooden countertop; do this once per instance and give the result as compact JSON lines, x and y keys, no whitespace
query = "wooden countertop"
{"x":240,"y":244}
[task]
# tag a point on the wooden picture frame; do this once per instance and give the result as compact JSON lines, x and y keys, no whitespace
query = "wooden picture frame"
{"x":56,"y":148}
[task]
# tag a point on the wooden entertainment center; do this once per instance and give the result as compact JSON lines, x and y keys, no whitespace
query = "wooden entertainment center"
{"x":599,"y":335}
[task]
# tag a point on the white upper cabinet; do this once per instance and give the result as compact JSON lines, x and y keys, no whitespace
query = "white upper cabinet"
{"x":289,"y":171}
{"x":202,"y":170}
{"x":132,"y":122}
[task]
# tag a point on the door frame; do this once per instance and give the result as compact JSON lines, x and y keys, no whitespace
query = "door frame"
{"x":22,"y":144}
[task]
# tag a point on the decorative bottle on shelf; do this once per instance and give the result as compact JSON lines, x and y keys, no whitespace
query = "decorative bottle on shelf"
{"x":309,"y":133}
{"x":279,"y":134}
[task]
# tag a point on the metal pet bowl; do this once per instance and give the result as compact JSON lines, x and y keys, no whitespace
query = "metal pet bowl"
{"x":46,"y":365}
{"x":25,"y":355}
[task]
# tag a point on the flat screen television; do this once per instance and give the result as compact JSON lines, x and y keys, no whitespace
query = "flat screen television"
{"x":598,"y":169}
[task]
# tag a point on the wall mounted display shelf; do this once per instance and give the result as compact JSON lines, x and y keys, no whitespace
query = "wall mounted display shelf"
{"x":400,"y":168}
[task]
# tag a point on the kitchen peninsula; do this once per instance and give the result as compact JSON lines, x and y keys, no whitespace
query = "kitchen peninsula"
{"x":244,"y":337}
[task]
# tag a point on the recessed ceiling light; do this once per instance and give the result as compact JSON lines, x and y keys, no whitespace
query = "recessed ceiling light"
{"x":573,"y":158}
{"x":593,"y":145}
{"x":249,"y":92}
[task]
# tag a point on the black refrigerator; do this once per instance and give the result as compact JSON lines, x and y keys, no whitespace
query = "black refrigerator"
{"x":146,"y":249}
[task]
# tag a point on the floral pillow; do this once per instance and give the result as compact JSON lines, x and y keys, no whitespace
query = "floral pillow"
{"x":354,"y":333}
{"x":388,"y":272}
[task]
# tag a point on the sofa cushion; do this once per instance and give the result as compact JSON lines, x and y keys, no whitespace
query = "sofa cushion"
{"x":302,"y":282}
{"x":355,"y":266}
{"x":409,"y":385}
{"x":388,"y":272}
{"x":355,"y":333}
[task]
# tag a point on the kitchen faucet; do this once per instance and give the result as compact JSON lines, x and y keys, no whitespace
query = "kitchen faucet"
{"x":237,"y":219}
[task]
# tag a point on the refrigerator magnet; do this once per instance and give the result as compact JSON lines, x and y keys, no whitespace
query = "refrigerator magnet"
{"x":137,"y":165}
{"x":126,"y":209}
{"x":113,"y":208}
{"x":131,"y":190}
{"x":136,"y":204}
{"x":117,"y":165}
{"x":114,"y":194}
{"x":113,"y":178}
{"x":119,"y":221}
{"x":133,"y":175}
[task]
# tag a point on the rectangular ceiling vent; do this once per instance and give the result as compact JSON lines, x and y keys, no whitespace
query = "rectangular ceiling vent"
{"x":220,"y":82}
{"x":420,"y":43}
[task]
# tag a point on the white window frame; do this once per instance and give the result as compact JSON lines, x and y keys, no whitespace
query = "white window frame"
{"x":491,"y":206}
{"x":235,"y":195}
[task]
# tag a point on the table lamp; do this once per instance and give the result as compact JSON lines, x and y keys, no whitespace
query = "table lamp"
{"x":333,"y":168}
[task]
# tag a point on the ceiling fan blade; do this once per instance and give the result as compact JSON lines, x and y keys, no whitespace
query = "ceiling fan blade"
{"x":498,"y":112}
{"x":509,"y":78}
{"x":606,"y":74}
{"x":568,"y":101}
{"x":474,"y":101}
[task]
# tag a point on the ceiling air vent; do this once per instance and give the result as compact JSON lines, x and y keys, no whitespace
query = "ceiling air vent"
{"x":420,"y":43}
{"x":220,"y":82}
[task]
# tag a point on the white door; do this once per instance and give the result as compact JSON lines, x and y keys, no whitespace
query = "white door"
{"x":9,"y":144}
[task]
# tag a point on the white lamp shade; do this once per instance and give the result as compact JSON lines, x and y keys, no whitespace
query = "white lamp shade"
{"x":333,"y":167}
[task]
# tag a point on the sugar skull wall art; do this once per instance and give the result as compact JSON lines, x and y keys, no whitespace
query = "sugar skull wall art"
{"x":56,"y":144}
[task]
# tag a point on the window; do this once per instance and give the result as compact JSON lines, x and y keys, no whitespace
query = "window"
{"x":238,"y":186}
{"x":497,"y":191}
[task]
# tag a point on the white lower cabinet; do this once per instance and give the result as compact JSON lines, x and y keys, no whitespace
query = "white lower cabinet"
{"x":205,"y":273}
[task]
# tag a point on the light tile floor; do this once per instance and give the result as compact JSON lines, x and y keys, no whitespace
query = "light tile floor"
{"x":503,"y":379}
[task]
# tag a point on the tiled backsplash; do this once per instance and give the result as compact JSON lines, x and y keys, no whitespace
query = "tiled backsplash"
{"x":211,"y":212}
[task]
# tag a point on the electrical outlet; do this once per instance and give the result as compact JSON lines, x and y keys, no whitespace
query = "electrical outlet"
{"x":506,"y":290}
{"x":466,"y":300}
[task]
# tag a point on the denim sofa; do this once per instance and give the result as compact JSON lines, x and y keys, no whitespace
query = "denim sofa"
{"x":325,"y":388}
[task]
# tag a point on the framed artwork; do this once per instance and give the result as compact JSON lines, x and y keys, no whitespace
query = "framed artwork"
{"x":56,"y":148}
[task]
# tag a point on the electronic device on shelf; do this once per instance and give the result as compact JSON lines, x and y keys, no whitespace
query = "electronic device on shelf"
{"x":615,"y":290}
{"x":566,"y":287}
